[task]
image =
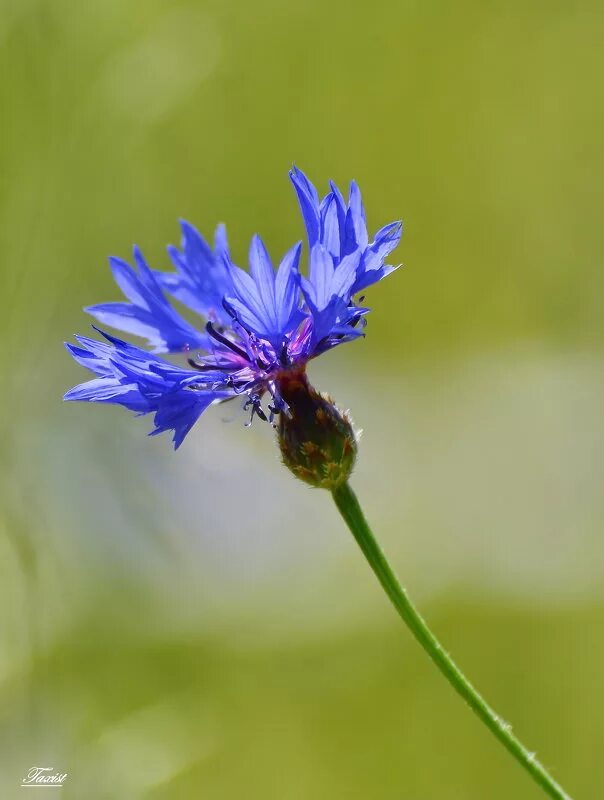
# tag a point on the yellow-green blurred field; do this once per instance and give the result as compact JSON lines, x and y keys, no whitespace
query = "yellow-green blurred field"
{"x":200,"y":625}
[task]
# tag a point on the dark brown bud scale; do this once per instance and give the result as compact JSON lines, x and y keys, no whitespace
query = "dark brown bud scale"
{"x":317,"y":440}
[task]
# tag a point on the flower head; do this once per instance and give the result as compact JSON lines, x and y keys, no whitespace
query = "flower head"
{"x":258,"y":327}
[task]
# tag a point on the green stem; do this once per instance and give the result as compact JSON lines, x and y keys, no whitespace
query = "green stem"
{"x":350,"y":509}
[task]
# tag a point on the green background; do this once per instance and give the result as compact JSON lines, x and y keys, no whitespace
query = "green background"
{"x":200,"y":625}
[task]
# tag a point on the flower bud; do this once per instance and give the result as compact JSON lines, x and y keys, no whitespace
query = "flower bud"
{"x":317,"y":440}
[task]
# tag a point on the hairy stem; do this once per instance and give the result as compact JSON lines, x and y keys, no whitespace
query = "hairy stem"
{"x":350,"y":509}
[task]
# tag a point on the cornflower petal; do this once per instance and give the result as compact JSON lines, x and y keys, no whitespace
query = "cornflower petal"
{"x":286,"y":287}
{"x":309,"y":204}
{"x":133,"y":378}
{"x":149,"y":314}
{"x":263,"y":275}
{"x":342,"y":230}
{"x":331,"y":236}
{"x":356,"y":226}
{"x":202,"y":279}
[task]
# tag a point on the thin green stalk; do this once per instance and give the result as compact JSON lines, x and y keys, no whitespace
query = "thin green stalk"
{"x":350,"y":509}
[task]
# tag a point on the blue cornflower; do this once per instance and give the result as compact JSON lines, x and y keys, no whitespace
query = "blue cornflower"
{"x":261,"y":327}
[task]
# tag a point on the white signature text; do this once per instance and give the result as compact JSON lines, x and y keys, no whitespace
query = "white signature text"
{"x":44,"y":776}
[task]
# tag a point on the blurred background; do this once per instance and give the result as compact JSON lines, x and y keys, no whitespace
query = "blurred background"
{"x":200,"y":625}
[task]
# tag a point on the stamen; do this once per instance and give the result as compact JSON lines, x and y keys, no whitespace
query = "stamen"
{"x":254,"y":401}
{"x":208,"y":367}
{"x":274,"y":413}
{"x":260,"y":412}
{"x":230,"y":310}
{"x":235,"y":316}
{"x":226,"y":342}
{"x":279,"y":406}
{"x":238,"y":388}
{"x":284,"y":355}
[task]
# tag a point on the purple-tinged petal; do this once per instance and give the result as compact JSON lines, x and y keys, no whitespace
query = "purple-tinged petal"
{"x":309,"y":204}
{"x":247,"y":294}
{"x":263,"y":275}
{"x":149,"y":314}
{"x":198,"y":253}
{"x":345,"y":276}
{"x":202,"y":279}
{"x":247,"y":317}
{"x":179,"y":411}
{"x":221,"y":245}
{"x":109,"y":390}
{"x":330,"y":236}
{"x":373,"y":276}
{"x":181,"y":290}
{"x":127,"y":279}
{"x":264,"y":304}
{"x":286,"y":288}
{"x":321,"y":275}
{"x":341,"y":208}
{"x":355,"y":227}
{"x":88,"y":359}
{"x":386,"y":239}
{"x":131,"y":377}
